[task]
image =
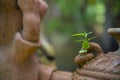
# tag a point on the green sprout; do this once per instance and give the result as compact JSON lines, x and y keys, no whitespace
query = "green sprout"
{"x":84,"y":41}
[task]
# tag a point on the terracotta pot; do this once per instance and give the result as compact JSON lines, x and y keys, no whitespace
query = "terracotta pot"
{"x":102,"y":66}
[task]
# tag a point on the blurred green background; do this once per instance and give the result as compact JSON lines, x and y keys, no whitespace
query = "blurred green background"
{"x":67,"y":17}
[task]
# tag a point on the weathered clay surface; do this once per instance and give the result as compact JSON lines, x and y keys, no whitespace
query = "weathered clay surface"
{"x":102,"y":67}
{"x":107,"y":63}
{"x":17,"y":46}
{"x":10,"y":21}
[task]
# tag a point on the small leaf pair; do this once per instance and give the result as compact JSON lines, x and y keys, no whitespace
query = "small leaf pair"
{"x":84,"y":41}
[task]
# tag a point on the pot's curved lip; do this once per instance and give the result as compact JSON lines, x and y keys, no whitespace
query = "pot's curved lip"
{"x":114,"y":30}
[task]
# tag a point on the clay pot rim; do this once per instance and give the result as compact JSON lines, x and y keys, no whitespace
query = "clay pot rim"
{"x":114,"y":30}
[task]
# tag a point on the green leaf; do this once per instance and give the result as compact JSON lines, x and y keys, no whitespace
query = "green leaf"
{"x":91,"y":38}
{"x":79,"y":41}
{"x":89,"y":33}
{"x":85,"y":45}
{"x":79,"y":34}
{"x":82,"y":51}
{"x":85,"y":35}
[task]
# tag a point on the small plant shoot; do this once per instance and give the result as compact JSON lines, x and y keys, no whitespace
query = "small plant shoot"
{"x":85,"y":41}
